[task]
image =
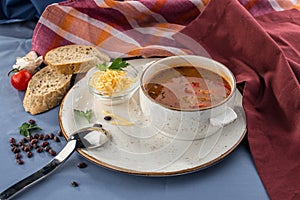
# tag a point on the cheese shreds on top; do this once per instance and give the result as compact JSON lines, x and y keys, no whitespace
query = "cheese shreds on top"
{"x":111,"y":81}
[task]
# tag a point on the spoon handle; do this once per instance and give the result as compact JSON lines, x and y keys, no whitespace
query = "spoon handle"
{"x":40,"y":174}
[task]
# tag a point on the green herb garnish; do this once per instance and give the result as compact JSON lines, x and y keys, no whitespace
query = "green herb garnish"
{"x":26,"y":128}
{"x":117,"y":64}
{"x":87,"y":114}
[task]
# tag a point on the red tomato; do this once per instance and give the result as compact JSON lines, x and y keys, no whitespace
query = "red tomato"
{"x":20,"y":79}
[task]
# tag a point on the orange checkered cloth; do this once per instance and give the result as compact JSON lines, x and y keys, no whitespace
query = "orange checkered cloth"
{"x":258,"y":40}
{"x":120,"y":29}
{"x":128,"y":28}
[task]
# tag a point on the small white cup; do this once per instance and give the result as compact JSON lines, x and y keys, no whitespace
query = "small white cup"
{"x":188,"y":124}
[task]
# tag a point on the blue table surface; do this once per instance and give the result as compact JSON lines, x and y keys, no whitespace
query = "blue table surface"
{"x":235,"y":177}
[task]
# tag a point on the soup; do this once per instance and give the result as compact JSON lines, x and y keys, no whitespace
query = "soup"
{"x":187,"y":88}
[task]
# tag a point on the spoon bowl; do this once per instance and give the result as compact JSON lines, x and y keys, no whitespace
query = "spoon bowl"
{"x":90,"y":138}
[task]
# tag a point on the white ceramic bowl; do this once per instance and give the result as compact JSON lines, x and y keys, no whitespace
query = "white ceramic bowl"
{"x":188,"y":124}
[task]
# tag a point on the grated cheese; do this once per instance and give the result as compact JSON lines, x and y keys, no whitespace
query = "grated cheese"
{"x":111,"y":81}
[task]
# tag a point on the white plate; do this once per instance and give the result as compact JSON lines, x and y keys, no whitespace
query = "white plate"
{"x":141,"y":149}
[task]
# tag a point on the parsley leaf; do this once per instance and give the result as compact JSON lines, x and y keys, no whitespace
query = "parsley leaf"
{"x":26,"y":128}
{"x":117,"y":64}
{"x":87,"y":114}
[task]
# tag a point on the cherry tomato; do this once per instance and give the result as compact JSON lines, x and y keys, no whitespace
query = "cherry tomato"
{"x":20,"y":79}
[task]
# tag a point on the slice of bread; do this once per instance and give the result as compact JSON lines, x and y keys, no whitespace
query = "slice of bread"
{"x":73,"y":59}
{"x":45,"y":90}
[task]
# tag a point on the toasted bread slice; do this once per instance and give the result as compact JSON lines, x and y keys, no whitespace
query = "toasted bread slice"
{"x":45,"y":90}
{"x":73,"y":59}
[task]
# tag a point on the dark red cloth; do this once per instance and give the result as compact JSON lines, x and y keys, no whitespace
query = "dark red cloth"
{"x":264,"y":53}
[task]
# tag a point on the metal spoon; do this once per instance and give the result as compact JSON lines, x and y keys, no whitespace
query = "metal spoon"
{"x":91,"y":137}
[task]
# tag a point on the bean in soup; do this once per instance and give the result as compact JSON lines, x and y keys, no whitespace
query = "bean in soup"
{"x":187,"y":88}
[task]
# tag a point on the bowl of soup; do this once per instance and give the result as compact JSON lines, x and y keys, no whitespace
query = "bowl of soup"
{"x":188,"y":97}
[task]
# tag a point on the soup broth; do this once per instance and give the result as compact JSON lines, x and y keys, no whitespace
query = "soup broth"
{"x":187,"y":88}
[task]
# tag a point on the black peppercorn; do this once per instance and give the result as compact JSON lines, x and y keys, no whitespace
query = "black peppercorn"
{"x":36,"y":136}
{"x":20,"y":162}
{"x":12,"y":140}
{"x":46,"y":137}
{"x":41,"y":137}
{"x":108,"y":118}
{"x":34,"y":141}
{"x":44,"y":144}
{"x":56,"y":139}
{"x":81,"y":165}
{"x":51,"y":136}
{"x":31,"y":121}
{"x":59,"y":133}
{"x":15,"y":150}
{"x":74,"y":184}
{"x":39,"y":149}
{"x":52,"y":152}
{"x":18,"y":156}
{"x":29,"y":154}
{"x":24,"y":140}
{"x":47,"y":148}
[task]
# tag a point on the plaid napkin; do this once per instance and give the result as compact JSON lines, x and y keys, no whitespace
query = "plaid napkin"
{"x":259,"y":45}
{"x":119,"y":29}
{"x":127,"y":28}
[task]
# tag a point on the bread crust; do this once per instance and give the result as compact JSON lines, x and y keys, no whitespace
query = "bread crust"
{"x":73,"y":59}
{"x":45,"y":90}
